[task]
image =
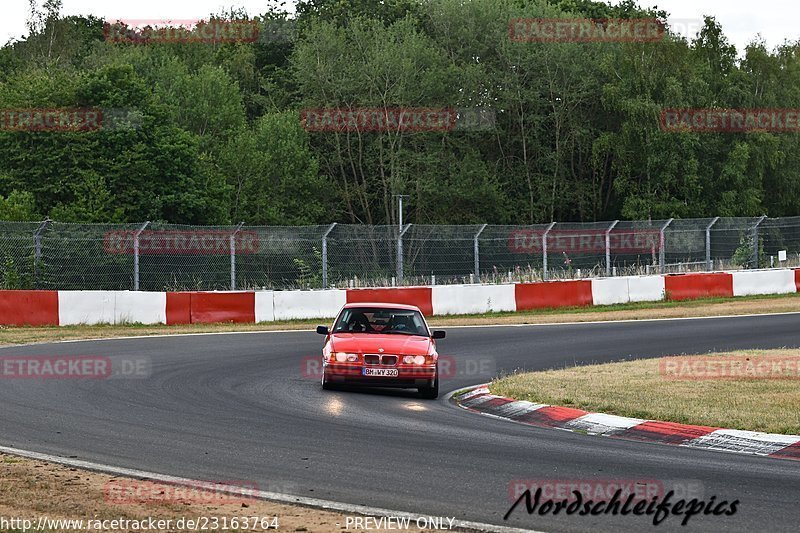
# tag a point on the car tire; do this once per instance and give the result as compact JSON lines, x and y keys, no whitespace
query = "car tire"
{"x":432,"y":392}
{"x":326,"y":385}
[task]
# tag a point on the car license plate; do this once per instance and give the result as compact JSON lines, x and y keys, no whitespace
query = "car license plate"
{"x":381,"y":372}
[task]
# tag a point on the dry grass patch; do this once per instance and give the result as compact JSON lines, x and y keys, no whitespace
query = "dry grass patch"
{"x":639,"y":389}
{"x":32,"y":489}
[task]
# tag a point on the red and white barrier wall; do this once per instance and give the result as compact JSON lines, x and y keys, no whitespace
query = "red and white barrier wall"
{"x":38,"y":308}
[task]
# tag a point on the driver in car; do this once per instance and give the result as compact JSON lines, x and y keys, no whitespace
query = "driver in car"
{"x":359,"y":323}
{"x":401,"y":323}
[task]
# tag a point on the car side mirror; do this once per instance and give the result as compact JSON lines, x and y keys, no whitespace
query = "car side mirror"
{"x":439,"y":334}
{"x":322,"y":330}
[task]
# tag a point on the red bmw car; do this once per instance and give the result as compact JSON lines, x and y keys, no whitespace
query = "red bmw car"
{"x":381,"y":345}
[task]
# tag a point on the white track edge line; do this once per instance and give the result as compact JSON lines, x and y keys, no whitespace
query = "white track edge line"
{"x":262,"y":495}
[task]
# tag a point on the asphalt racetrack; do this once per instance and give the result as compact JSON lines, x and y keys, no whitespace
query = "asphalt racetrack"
{"x":240,"y":407}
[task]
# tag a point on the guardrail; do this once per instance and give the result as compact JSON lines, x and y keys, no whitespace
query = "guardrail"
{"x":39,"y":308}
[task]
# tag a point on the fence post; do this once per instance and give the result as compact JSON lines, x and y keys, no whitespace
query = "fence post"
{"x":661,"y":245}
{"x":233,"y":255}
{"x":136,"y":255}
{"x":476,"y":250}
{"x":325,"y":255}
{"x":37,"y":250}
{"x":755,"y":258}
{"x":709,"y":265}
{"x":608,"y":247}
{"x":400,"y":254}
{"x":545,"y":275}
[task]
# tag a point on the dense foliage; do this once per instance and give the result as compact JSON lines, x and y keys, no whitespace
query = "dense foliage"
{"x":218,"y":138}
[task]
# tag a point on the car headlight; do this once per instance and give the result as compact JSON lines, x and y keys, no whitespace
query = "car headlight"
{"x":343,"y":357}
{"x":414,"y":359}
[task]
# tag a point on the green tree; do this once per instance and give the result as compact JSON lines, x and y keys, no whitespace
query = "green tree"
{"x":19,"y":206}
{"x":273,"y":174}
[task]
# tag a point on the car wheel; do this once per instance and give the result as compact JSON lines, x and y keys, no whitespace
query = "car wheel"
{"x":325,"y":383}
{"x":430,"y":393}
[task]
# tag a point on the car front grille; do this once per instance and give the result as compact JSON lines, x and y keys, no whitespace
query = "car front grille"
{"x":375,"y":359}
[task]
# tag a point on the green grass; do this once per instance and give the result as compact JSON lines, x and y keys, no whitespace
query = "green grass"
{"x":639,"y":389}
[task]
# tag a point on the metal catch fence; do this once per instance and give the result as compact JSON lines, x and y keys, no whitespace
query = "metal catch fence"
{"x":154,"y":256}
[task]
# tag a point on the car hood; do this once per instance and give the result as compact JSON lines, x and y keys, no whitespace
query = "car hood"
{"x":374,"y":342}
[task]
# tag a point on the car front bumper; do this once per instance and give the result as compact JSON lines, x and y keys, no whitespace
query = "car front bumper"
{"x":407,"y":377}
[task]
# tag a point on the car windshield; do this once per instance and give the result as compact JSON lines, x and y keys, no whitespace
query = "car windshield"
{"x":381,"y":320}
